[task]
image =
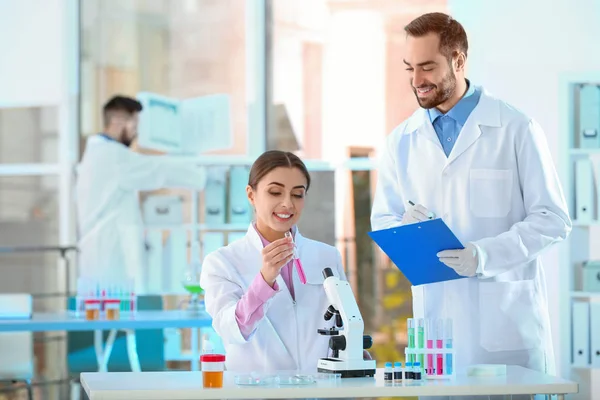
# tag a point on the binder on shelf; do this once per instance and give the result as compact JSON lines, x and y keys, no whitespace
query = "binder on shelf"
{"x":595,"y":334}
{"x":589,"y":117}
{"x":584,"y":191}
{"x":580,"y":329}
{"x":239,"y":207}
{"x":215,"y":196}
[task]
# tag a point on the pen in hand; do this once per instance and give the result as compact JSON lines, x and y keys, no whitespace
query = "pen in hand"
{"x":430,"y":215}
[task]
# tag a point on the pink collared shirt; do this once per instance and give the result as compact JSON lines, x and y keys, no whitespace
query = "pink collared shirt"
{"x":250,"y":309}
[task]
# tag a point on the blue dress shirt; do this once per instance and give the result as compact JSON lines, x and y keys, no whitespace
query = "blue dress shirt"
{"x":448,"y":126}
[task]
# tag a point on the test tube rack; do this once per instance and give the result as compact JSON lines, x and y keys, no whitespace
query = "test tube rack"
{"x":103,"y":292}
{"x":429,"y":371}
{"x":430,"y":343}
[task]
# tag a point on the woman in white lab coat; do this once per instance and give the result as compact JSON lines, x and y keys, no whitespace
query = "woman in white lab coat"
{"x":268,"y":319}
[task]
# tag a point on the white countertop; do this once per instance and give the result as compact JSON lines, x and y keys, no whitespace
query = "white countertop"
{"x":186,"y":385}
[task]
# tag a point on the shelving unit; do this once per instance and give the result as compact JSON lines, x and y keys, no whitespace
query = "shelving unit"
{"x":584,"y":242}
{"x":585,"y":295}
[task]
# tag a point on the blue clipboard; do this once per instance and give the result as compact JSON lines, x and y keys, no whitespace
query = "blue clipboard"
{"x":413,"y":249}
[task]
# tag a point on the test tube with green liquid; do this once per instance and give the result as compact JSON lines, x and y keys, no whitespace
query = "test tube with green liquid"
{"x":421,"y":341}
{"x":410,"y":324}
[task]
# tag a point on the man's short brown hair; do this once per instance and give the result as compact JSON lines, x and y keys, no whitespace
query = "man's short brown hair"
{"x":123,"y":104}
{"x":453,"y":37}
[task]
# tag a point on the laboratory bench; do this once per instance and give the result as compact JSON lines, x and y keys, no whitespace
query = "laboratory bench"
{"x":187,"y":385}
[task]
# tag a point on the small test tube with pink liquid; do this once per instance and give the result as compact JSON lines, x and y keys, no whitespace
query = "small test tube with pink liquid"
{"x":430,"y":333}
{"x":296,"y":260}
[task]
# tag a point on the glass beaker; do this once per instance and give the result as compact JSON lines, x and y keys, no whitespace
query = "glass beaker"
{"x":191,"y":283}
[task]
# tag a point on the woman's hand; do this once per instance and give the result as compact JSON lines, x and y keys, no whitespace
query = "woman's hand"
{"x":275,"y":256}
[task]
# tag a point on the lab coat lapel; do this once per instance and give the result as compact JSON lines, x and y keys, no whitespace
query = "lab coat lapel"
{"x":486,"y":113}
{"x":425,"y":129}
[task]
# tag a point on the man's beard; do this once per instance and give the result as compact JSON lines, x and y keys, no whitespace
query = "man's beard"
{"x":124,"y":139}
{"x":443,"y":92}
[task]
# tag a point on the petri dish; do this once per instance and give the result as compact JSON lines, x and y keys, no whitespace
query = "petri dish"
{"x":295,"y":379}
{"x":253,"y":380}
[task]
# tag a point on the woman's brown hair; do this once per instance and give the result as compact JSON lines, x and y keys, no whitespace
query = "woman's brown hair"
{"x":272,"y":159}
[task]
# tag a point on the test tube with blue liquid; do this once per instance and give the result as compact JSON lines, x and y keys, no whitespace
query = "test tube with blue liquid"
{"x":410,"y":324}
{"x":448,"y":345}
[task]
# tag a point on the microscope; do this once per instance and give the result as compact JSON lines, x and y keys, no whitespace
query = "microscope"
{"x":347,"y":341}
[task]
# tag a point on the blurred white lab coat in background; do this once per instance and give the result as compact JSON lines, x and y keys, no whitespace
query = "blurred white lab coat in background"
{"x":498,"y":189}
{"x":111,"y":235}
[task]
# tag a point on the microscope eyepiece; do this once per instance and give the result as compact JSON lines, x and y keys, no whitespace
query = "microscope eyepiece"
{"x":327,"y":272}
{"x":331,"y":311}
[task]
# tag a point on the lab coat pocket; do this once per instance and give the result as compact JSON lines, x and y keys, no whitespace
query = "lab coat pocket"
{"x":490,"y":192}
{"x":313,"y":276}
{"x":509,"y":318}
{"x":313,"y":290}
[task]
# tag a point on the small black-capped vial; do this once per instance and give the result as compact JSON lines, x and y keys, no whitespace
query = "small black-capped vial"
{"x":388,"y":373}
{"x":408,"y":372}
{"x":397,"y":372}
{"x":417,"y":371}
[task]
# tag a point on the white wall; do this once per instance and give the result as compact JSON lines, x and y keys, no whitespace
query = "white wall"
{"x":31,"y":46}
{"x":518,"y":49}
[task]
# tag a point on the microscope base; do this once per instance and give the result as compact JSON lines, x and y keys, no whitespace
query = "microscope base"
{"x":347,"y":368}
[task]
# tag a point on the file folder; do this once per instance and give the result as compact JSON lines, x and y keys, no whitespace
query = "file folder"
{"x":595,"y":334}
{"x":589,"y":117}
{"x":581,"y":334}
{"x":584,"y":190}
{"x":413,"y":249}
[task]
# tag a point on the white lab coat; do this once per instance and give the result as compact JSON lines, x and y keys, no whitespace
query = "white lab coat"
{"x":110,"y":225}
{"x":286,"y":338}
{"x":499,"y":189}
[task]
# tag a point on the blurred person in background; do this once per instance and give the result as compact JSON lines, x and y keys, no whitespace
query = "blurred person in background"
{"x":109,"y":177}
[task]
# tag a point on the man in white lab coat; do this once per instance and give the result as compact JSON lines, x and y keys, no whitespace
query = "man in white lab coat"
{"x":109,"y":177}
{"x":485,"y":168}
